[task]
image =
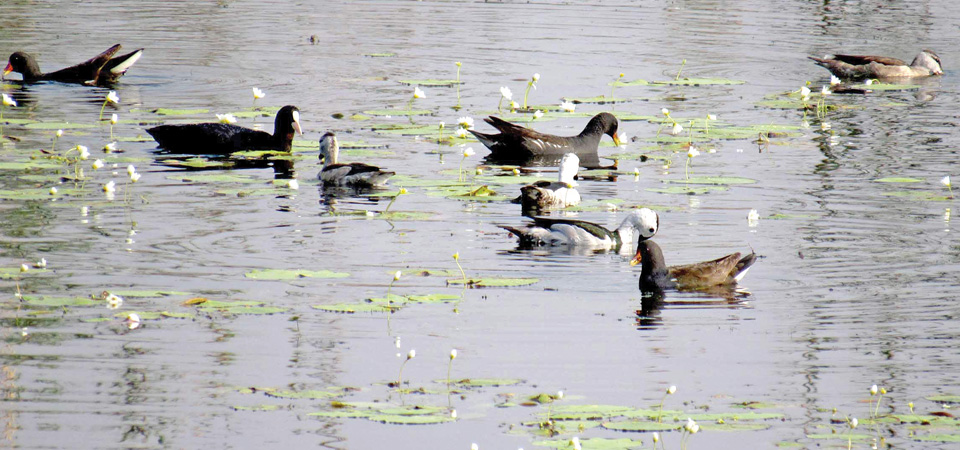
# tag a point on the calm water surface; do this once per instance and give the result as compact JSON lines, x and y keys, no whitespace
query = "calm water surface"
{"x":858,"y":284}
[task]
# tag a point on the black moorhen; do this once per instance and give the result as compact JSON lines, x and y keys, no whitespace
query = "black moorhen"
{"x":655,"y":275}
{"x":101,"y":70}
{"x":518,"y":143}
{"x":220,"y":138}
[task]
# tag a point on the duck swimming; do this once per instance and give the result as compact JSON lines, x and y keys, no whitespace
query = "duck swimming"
{"x":551,"y":231}
{"x":554,"y":194}
{"x":655,"y":275}
{"x":516,"y":143}
{"x":221,"y":138}
{"x":347,"y":174}
{"x":926,"y":64}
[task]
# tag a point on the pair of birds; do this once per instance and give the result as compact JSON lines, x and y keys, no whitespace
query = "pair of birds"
{"x":655,"y":275}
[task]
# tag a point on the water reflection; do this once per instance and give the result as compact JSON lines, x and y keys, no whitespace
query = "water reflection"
{"x":654,"y":301}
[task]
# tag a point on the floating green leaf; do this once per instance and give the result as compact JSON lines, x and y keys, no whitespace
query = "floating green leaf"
{"x":257,"y":408}
{"x":699,"y":82}
{"x":945,"y":398}
{"x":401,"y":113}
{"x":495,"y":282}
{"x":292,"y":274}
{"x":637,"y":82}
{"x":898,"y":180}
{"x":147,"y":294}
{"x":9,"y":273}
{"x":314,"y":394}
{"x":219,"y":178}
{"x":62,"y":301}
{"x":380,"y":55}
{"x":927,"y":196}
{"x":718,"y":181}
{"x":687,"y":190}
{"x":938,"y":438}
{"x":639,"y":426}
{"x":179,"y":112}
{"x":594,"y":444}
{"x":733,"y":426}
{"x":247,"y":310}
{"x":884,"y":87}
{"x":196,"y":163}
{"x":584,"y":412}
{"x":57,"y":125}
{"x":600,"y":100}
{"x":351,"y":308}
{"x":843,"y":436}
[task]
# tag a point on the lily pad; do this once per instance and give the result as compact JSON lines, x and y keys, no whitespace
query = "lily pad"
{"x":431,"y":82}
{"x":594,"y":444}
{"x":898,"y":180}
{"x":351,"y":308}
{"x":634,"y":425}
{"x":687,"y":190}
{"x":246,"y":310}
{"x":147,"y":294}
{"x":927,"y":196}
{"x":401,"y":113}
{"x":884,"y":87}
{"x":699,"y":82}
{"x":57,"y":125}
{"x":637,"y":82}
{"x":938,"y":438}
{"x":494,"y":281}
{"x":840,"y":436}
{"x":220,"y":178}
{"x":584,"y":412}
{"x":599,"y":100}
{"x":303,"y":394}
{"x":380,"y":55}
{"x":292,"y":274}
{"x":946,"y":398}
{"x":29,"y":165}
{"x":718,"y":181}
{"x":179,"y":112}
{"x":61,"y":301}
{"x":196,"y":163}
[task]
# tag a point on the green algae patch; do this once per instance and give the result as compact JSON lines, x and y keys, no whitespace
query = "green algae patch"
{"x":292,"y":274}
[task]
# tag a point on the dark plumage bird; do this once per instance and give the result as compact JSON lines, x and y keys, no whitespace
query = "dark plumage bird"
{"x":655,"y":275}
{"x":553,"y":194}
{"x":101,"y":70}
{"x":518,"y":143}
{"x":572,"y":232}
{"x":220,"y":138}
{"x":926,"y":64}
{"x":347,"y":174}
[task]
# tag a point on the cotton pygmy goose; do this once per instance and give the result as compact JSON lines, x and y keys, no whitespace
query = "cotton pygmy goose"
{"x":347,"y":174}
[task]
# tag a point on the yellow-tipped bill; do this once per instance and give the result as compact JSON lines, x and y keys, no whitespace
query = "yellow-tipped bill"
{"x":616,"y":139}
{"x":8,"y":69}
{"x":636,"y":260}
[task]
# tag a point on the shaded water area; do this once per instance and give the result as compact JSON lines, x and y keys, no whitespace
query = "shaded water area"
{"x":857,"y":286}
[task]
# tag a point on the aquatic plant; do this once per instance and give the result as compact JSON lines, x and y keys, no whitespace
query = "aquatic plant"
{"x":879,"y":392}
{"x":753,"y":218}
{"x":682,"y":63}
{"x":257,"y":94}
{"x":56,"y":137}
{"x":113,"y":98}
{"x":505,"y":93}
{"x":228,"y":119}
{"x":417,"y":93}
{"x":456,"y":259}
{"x":410,"y":355}
{"x":690,"y":428}
{"x":613,"y":86}
{"x":7,"y":101}
{"x":459,"y":64}
{"x":670,"y":391}
{"x":467,"y":152}
{"x":396,"y":277}
{"x":530,"y":84}
{"x":852,"y":422}
{"x":537,"y":114}
{"x":453,"y":356}
{"x":568,"y":106}
{"x":402,"y":191}
{"x":692,"y":152}
{"x":946,"y":182}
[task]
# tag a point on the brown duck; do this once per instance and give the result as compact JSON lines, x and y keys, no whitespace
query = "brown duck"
{"x":655,"y":275}
{"x":926,"y":64}
{"x":519,"y":143}
{"x":101,"y":70}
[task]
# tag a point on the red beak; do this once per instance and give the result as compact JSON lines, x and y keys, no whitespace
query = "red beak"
{"x":8,"y":69}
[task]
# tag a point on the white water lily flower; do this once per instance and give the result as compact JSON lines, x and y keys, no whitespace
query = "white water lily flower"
{"x":418,"y":93}
{"x":53,"y":190}
{"x":537,"y":114}
{"x":114,"y":301}
{"x":753,"y":218}
{"x":506,"y":93}
{"x":226,"y":118}
{"x":97,"y":164}
{"x":945,"y":181}
{"x":514,"y":105}
{"x":293,"y":184}
{"x":465,"y":122}
{"x":575,"y":442}
{"x":468,"y":152}
{"x":131,"y":170}
{"x":134,"y":177}
{"x":559,"y":395}
{"x":112,"y":97}
{"x":111,"y":147}
{"x":568,"y":106}
{"x":834,"y":80}
{"x":8,"y":100}
{"x":42,"y":264}
{"x":479,"y":171}
{"x":516,"y":171}
{"x":474,"y":446}
{"x":84,"y":152}
{"x":636,"y":172}
{"x":691,"y":426}
{"x":868,"y":82}
{"x":113,"y":119}
{"x":24,"y":268}
{"x":693,"y":152}
{"x":804,"y":92}
{"x":677,"y":129}
{"x":453,"y":414}
{"x":671,"y":390}
{"x":453,"y":354}
{"x":411,"y":354}
{"x":133,"y":321}
{"x":825,"y":91}
{"x":711,"y":117}
{"x":665,"y":111}
{"x":24,"y":332}
{"x":258,"y":94}
{"x":59,"y":133}
{"x":825,"y":126}
{"x":110,"y":187}
{"x":396,"y":277}
{"x":873,"y":390}
{"x":536,"y":77}
{"x":656,"y":437}
{"x":853,"y":423}
{"x":442,"y":125}
{"x":460,"y":133}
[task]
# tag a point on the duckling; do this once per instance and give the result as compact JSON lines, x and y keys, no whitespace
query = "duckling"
{"x":347,"y":174}
{"x":554,"y":194}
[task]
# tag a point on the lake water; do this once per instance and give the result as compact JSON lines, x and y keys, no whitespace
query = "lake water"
{"x":857,"y":285}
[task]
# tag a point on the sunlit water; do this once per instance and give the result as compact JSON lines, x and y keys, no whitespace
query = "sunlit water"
{"x":855,"y":287}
